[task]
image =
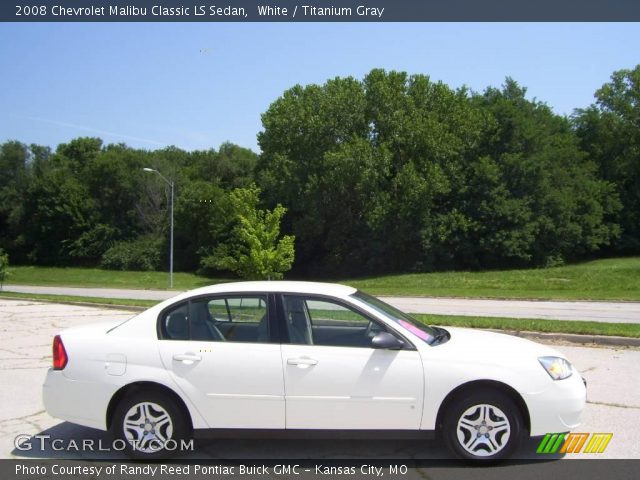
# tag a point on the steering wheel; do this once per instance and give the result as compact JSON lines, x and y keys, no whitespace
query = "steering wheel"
{"x":372,"y":329}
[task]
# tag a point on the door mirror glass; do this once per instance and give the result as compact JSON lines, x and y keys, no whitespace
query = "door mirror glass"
{"x":386,"y":341}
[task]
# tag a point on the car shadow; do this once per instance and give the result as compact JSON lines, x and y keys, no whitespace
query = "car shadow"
{"x":73,"y":442}
{"x":68,"y":441}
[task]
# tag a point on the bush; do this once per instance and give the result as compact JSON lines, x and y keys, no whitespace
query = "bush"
{"x":143,"y":253}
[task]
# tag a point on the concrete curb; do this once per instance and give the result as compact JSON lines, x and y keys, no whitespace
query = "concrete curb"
{"x":132,"y":308}
{"x":599,"y":340}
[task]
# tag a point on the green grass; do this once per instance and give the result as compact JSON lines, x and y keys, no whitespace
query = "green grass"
{"x":609,"y":279}
{"x":534,"y":325}
{"x":74,"y":299}
{"x":498,"y":323}
{"x":96,"y":277}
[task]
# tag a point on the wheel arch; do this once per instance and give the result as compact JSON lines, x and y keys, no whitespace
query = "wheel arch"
{"x":475,"y":385}
{"x":135,"y":387}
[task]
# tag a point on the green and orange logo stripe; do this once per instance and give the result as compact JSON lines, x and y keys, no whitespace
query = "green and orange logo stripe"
{"x":574,"y":443}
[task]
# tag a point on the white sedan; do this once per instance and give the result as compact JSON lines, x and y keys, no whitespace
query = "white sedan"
{"x":298,"y":357}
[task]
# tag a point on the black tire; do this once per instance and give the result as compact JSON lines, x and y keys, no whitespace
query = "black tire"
{"x":466,"y":435}
{"x":163,"y":414}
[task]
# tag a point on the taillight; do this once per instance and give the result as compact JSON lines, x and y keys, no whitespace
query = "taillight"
{"x":60,"y":357}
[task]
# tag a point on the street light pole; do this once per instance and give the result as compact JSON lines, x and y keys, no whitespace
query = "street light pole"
{"x":171,"y":184}
{"x":171,"y":243}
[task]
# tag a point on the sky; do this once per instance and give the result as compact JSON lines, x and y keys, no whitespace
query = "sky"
{"x":197,"y":85}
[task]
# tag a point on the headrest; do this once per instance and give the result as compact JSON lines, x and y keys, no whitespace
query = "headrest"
{"x":178,"y":326}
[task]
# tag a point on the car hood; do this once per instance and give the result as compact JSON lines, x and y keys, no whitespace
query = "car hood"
{"x":465,"y":341}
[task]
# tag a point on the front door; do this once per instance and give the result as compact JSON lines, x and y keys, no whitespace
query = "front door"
{"x":335,"y":380}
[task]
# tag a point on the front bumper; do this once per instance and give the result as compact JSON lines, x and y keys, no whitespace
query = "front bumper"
{"x":557,"y":408}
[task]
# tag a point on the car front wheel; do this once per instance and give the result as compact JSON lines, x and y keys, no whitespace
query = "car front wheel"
{"x":151,"y":425}
{"x":485,"y":425}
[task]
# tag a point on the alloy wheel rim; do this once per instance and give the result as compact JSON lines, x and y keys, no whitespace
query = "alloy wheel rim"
{"x":483,"y":430}
{"x":147,"y":427}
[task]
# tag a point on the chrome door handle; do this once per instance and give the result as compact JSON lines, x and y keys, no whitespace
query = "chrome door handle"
{"x":302,"y":362}
{"x":187,"y":358}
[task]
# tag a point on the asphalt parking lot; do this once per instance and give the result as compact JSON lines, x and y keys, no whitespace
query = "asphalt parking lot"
{"x":28,"y":328}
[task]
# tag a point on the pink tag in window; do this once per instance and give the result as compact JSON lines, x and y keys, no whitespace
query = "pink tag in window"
{"x":415,"y":330}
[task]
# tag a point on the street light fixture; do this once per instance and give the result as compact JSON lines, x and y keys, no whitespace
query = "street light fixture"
{"x":146,"y":169}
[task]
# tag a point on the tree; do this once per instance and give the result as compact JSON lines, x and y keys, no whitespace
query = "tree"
{"x":400,"y":173}
{"x":255,"y":250}
{"x":609,"y":131}
{"x":363,"y":165}
{"x":201,"y":220}
{"x":4,"y":265}
{"x":534,"y":196}
{"x":56,"y":211}
{"x":14,"y":158}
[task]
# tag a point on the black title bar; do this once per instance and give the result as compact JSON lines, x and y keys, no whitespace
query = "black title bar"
{"x":348,"y":469}
{"x":319,"y":11}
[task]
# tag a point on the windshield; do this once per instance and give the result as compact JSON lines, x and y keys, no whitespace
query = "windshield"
{"x":420,"y":330}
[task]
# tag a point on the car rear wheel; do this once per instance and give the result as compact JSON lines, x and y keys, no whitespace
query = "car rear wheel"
{"x":485,"y":425}
{"x":150,"y":424}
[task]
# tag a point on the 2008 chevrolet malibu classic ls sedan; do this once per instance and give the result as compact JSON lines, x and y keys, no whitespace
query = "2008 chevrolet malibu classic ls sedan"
{"x":299,"y":357}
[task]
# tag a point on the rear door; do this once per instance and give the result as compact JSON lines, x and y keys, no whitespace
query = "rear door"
{"x":223,"y":353}
{"x":334,"y":379}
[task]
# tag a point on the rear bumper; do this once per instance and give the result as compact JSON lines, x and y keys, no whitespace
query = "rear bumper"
{"x":83,"y":403}
{"x":557,"y":408}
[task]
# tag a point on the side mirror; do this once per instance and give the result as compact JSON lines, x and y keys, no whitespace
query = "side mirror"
{"x":386,"y":341}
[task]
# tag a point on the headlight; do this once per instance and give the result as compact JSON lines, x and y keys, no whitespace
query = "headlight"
{"x":557,"y":368}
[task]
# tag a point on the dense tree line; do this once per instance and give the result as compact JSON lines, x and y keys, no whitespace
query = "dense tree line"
{"x":89,"y":204}
{"x":400,"y":173}
{"x":390,"y":173}
{"x":609,"y":132}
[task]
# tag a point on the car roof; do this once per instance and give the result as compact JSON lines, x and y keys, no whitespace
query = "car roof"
{"x":332,"y":289}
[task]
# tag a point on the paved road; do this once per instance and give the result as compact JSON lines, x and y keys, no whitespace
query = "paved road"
{"x":611,"y":312}
{"x":25,"y":354}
